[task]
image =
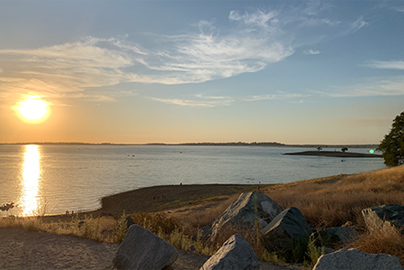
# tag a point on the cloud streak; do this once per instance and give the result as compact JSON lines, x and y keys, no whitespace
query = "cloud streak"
{"x":200,"y":100}
{"x":381,"y":87}
{"x":387,"y":65}
{"x":311,"y":52}
{"x":357,"y":25}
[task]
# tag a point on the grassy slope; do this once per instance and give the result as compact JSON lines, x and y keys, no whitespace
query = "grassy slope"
{"x":332,"y":201}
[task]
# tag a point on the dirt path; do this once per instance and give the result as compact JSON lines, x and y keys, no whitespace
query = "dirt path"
{"x":39,"y":250}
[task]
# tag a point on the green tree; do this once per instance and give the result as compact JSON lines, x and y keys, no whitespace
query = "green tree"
{"x":392,"y":146}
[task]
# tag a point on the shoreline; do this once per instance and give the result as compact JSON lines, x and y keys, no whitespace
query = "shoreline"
{"x":168,"y":197}
{"x":160,"y":198}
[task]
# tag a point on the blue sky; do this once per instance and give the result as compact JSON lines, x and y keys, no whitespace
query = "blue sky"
{"x":203,"y":71}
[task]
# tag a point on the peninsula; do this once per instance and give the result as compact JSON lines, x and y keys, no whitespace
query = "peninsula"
{"x":334,"y":154}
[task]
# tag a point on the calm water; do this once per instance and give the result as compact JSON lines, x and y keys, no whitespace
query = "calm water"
{"x":56,"y":178}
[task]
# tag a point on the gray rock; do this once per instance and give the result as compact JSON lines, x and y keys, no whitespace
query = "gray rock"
{"x":334,"y":237}
{"x":141,"y":249}
{"x":288,"y":234}
{"x":391,"y":213}
{"x":354,"y":259}
{"x":245,"y":210}
{"x":236,"y":253}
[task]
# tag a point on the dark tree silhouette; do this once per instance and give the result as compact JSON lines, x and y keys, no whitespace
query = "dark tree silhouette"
{"x":392,"y":146}
{"x":344,"y":149}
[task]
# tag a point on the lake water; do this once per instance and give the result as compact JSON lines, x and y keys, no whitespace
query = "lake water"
{"x":56,"y":178}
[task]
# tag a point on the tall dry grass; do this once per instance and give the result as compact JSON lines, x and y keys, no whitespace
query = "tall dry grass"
{"x":333,"y":201}
{"x":199,"y":216}
{"x":101,"y":229}
{"x":386,"y":239}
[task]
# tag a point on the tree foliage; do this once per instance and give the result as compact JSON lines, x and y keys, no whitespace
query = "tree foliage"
{"x":392,"y":146}
{"x":344,"y":149}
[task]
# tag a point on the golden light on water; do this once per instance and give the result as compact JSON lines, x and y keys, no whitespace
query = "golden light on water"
{"x":31,"y":176}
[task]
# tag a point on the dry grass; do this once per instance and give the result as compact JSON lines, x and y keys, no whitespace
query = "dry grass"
{"x":102,"y":229}
{"x":202,"y":215}
{"x":332,"y":201}
{"x":386,"y":239}
{"x":174,"y":232}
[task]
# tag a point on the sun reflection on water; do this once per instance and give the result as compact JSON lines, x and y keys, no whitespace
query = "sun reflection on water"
{"x":31,"y":176}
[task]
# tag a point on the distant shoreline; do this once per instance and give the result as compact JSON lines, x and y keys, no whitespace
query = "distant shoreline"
{"x":262,"y":144}
{"x":334,"y":154}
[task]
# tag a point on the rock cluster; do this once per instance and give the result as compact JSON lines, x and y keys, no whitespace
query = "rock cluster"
{"x":285,"y":232}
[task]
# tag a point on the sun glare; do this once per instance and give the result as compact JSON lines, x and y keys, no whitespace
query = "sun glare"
{"x":33,"y":110}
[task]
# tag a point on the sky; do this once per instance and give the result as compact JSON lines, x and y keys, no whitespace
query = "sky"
{"x":170,"y":71}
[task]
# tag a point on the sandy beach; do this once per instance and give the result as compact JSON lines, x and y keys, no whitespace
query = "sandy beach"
{"x":39,"y":250}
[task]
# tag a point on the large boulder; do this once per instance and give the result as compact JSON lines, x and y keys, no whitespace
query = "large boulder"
{"x":354,"y":259}
{"x":142,"y":249}
{"x":390,"y":213}
{"x":236,"y":253}
{"x":288,"y":234}
{"x":244,"y":211}
{"x":334,"y":237}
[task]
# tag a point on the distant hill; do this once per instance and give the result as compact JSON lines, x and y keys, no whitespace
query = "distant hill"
{"x":266,"y":144}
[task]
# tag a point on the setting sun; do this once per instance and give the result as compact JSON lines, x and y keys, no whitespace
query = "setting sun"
{"x":33,"y":109}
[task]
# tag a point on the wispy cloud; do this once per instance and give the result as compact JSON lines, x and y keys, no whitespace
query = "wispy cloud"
{"x":201,"y":100}
{"x":399,"y":9}
{"x":207,"y":55}
{"x":260,"y":97}
{"x":387,"y":64}
{"x":253,"y":41}
{"x":311,"y":52}
{"x":260,"y":18}
{"x":65,"y":70}
{"x":193,"y":57}
{"x":357,"y":25}
{"x":198,"y":101}
{"x":381,"y":87}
